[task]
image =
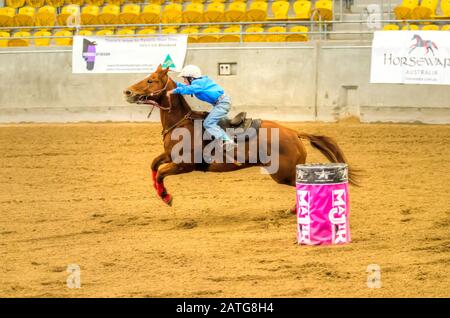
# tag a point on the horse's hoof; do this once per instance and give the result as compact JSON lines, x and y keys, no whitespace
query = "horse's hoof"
{"x":168,"y":199}
{"x":293,"y":210}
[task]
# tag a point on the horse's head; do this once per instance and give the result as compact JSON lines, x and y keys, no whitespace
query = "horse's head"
{"x":415,"y":36}
{"x":150,"y":89}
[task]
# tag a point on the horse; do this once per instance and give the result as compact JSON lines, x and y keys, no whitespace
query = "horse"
{"x":422,"y":43}
{"x":175,"y":112}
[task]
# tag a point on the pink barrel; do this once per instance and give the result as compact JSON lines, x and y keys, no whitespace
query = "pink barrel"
{"x":322,"y":204}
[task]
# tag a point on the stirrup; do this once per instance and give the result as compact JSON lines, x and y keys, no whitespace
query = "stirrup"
{"x":228,"y":145}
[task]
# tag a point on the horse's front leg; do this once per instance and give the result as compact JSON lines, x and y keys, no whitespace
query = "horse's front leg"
{"x":159,"y":160}
{"x":168,"y":170}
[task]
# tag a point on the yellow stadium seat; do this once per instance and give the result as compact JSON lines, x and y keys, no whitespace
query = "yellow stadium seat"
{"x":35,"y":3}
{"x":172,"y":13}
{"x":25,"y":17}
{"x":4,"y":34}
{"x":67,"y":40}
{"x":44,"y":41}
{"x":410,"y":27}
{"x":254,"y":37}
{"x":116,"y":2}
{"x":130,"y":14}
{"x":229,"y":36}
{"x":86,"y":32}
{"x":300,"y":37}
{"x":405,"y":9}
{"x":257,"y":11}
{"x":236,"y":12}
{"x":104,"y":32}
{"x":215,"y":12}
{"x":276,"y":37}
{"x":89,"y":15}
{"x":302,"y":9}
{"x":77,"y":2}
{"x":109,"y":15}
{"x":193,"y":13}
{"x":125,"y":31}
{"x":430,"y":27}
{"x":446,"y":27}
{"x":15,"y":3}
{"x":445,"y":8}
{"x":54,"y":3}
{"x":97,"y":3}
{"x":191,"y":30}
{"x":46,"y":16}
{"x":169,"y":30}
{"x":157,"y":1}
{"x":7,"y":16}
{"x":71,"y":10}
{"x":280,"y":9}
{"x":325,"y":9}
{"x":147,"y":31}
{"x":426,"y":9}
{"x":202,"y":1}
{"x":18,"y":41}
{"x":391,"y":27}
{"x":207,"y":35}
{"x":151,"y":14}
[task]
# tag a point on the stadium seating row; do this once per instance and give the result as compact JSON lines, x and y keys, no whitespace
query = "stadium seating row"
{"x":413,"y":27}
{"x":154,"y":13}
{"x":410,"y":9}
{"x":209,"y":34}
{"x":59,"y":3}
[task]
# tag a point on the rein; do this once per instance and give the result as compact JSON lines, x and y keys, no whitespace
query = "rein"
{"x":167,"y":130}
{"x":157,"y":94}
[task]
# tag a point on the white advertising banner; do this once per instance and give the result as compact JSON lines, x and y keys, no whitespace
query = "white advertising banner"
{"x":411,"y":57}
{"x":92,"y":54}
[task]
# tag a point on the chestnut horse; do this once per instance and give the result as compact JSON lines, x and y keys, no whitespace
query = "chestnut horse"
{"x":175,"y":113}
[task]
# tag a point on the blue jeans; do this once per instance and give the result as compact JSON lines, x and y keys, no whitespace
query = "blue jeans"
{"x":219,"y":111}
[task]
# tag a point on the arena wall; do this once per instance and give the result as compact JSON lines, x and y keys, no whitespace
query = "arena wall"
{"x":299,"y":81}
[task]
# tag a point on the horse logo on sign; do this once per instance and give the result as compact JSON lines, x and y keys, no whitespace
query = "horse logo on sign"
{"x":429,"y":45}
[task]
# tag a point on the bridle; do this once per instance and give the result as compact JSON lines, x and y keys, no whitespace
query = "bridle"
{"x":156,"y":94}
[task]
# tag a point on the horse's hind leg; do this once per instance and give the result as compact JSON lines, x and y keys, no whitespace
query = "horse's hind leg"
{"x":168,"y":170}
{"x":159,"y":160}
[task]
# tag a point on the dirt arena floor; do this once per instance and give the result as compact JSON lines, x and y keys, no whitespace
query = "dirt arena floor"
{"x":81,"y":194}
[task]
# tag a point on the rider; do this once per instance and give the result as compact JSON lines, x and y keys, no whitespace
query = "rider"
{"x":208,"y":91}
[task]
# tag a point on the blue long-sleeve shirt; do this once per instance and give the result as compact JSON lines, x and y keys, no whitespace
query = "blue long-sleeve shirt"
{"x":203,"y":88}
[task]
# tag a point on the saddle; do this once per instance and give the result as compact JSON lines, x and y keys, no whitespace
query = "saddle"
{"x":240,"y":124}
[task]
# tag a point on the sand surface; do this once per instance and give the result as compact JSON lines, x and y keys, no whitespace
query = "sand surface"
{"x":81,"y":194}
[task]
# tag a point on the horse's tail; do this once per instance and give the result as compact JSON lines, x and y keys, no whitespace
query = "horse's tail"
{"x":330,"y":149}
{"x":434,"y":45}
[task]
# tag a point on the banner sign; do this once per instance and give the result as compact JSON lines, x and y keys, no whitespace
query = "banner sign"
{"x":411,"y":57}
{"x":92,"y":54}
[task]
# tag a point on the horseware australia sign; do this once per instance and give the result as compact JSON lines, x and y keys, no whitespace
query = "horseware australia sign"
{"x":92,"y":54}
{"x":411,"y":57}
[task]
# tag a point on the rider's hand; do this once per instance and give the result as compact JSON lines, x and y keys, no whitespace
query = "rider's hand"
{"x":169,"y":92}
